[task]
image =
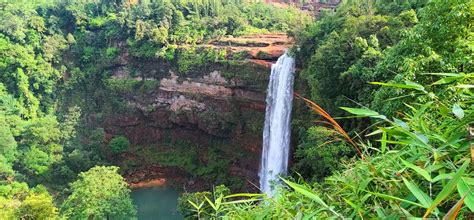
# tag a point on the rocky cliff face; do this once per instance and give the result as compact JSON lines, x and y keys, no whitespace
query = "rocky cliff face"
{"x":222,"y":101}
{"x":314,"y":6}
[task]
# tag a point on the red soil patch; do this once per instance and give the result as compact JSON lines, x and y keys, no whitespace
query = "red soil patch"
{"x":148,"y":183}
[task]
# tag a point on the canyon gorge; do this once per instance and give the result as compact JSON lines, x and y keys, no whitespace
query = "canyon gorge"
{"x":222,"y":103}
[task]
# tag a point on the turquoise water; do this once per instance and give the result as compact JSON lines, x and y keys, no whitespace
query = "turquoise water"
{"x":156,"y":203}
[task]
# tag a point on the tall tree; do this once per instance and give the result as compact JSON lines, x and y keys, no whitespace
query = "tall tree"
{"x":8,"y":148}
{"x":37,"y":206}
{"x":99,"y":193}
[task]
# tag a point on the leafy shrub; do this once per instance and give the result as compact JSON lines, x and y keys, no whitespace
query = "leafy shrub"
{"x":339,"y":53}
{"x":196,"y":204}
{"x":320,"y":153}
{"x":119,"y":144}
{"x":111,"y":52}
{"x":37,"y":206}
{"x":191,"y":60}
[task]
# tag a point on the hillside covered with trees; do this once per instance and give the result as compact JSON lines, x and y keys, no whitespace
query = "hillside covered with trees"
{"x":100,"y":96}
{"x":56,"y":80}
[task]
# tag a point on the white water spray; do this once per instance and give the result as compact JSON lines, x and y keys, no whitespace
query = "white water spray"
{"x":276,"y":133}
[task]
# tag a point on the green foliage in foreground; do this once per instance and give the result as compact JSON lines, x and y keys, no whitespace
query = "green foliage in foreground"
{"x":188,"y":203}
{"x":419,"y":166}
{"x":99,"y":193}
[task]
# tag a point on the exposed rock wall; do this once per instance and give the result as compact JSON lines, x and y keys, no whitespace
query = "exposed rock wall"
{"x":224,"y":101}
{"x":314,"y":6}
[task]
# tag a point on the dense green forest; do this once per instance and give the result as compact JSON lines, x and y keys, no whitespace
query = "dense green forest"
{"x":397,"y":76}
{"x":54,"y":56}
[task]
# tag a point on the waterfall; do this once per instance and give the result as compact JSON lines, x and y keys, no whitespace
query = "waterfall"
{"x":276,"y":133}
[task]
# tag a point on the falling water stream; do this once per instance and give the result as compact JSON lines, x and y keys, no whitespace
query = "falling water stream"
{"x":276,"y":133}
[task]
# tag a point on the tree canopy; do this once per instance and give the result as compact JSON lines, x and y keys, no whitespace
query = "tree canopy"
{"x":99,"y":193}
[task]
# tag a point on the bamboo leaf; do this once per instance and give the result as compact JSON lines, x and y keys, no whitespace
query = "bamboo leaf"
{"x":380,"y":212}
{"x":418,"y":170}
{"x":218,"y":202}
{"x":465,"y":86}
{"x":447,"y":189}
{"x":454,"y":211}
{"x":464,"y":189}
{"x":378,"y":131}
{"x":443,"y":176}
{"x":447,"y":80}
{"x":434,"y":167}
{"x":363,"y":184}
{"x":469,"y":181}
{"x":442,"y":74}
{"x":306,"y":192}
{"x":394,"y":198}
{"x":422,"y":109}
{"x":197,"y":207}
{"x":407,"y":85}
{"x":424,"y":199}
{"x":356,"y":207}
{"x":401,"y":123}
{"x":364,"y":112}
{"x":240,"y":201}
{"x":244,"y":195}
{"x":210,"y":203}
